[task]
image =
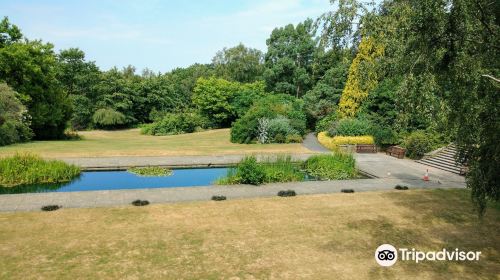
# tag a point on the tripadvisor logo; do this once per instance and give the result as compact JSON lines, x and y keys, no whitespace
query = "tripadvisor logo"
{"x":387,"y":255}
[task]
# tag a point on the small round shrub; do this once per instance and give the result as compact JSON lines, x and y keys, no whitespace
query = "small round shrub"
{"x":139,"y":202}
{"x":218,"y":198}
{"x":51,"y":207}
{"x":399,"y":187}
{"x":250,"y":172}
{"x":347,"y":190}
{"x":417,"y":144}
{"x":287,"y":193}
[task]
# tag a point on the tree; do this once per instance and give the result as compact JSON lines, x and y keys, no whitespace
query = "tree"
{"x":14,"y":118}
{"x":240,"y":64}
{"x":30,"y":68}
{"x":221,"y":101}
{"x":289,"y":59}
{"x":79,"y":79}
{"x":362,"y":77}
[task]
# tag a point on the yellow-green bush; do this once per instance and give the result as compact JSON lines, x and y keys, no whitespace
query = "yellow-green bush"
{"x":333,"y":142}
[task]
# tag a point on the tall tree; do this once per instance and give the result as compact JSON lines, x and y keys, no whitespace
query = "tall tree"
{"x":239,"y":63}
{"x":289,"y":58}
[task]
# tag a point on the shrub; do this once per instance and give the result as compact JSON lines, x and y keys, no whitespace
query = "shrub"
{"x":51,"y":207}
{"x":151,"y":171}
{"x":31,"y":169}
{"x":108,"y":118}
{"x":325,"y":123}
{"x":336,"y":166}
{"x":417,"y":144}
{"x":294,"y":138}
{"x":218,"y":198}
{"x":347,"y":190}
{"x":332,"y":143}
{"x":349,"y":127}
{"x":246,"y":129}
{"x":399,"y":187}
{"x":287,"y":193}
{"x":250,"y":172}
{"x":280,"y":170}
{"x":175,"y":123}
{"x":139,"y":202}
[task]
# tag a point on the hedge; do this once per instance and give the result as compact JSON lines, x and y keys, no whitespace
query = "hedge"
{"x":332,"y":142}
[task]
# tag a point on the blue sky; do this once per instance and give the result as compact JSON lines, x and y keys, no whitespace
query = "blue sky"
{"x":160,"y":35}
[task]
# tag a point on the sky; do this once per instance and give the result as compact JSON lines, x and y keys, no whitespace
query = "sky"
{"x":159,"y":35}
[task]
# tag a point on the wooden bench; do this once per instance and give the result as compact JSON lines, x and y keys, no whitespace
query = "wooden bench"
{"x":366,"y":148}
{"x":396,"y":151}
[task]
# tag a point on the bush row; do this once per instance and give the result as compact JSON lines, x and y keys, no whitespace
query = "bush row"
{"x":332,"y":143}
{"x":175,"y":123}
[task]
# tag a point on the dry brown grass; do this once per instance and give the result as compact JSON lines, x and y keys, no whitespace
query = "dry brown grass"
{"x":130,"y":142}
{"x":305,"y":237}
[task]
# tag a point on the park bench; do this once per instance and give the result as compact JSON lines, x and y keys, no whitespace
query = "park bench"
{"x":366,"y":148}
{"x":396,"y":151}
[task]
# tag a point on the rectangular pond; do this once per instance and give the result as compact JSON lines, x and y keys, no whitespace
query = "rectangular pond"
{"x":118,"y":180}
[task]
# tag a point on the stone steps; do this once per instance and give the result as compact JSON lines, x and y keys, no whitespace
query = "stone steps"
{"x":443,"y":159}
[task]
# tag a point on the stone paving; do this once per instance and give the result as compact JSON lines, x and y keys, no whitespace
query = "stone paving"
{"x":87,"y":199}
{"x":388,"y":170}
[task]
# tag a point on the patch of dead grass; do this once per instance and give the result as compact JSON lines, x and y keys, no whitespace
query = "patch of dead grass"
{"x":305,"y":237}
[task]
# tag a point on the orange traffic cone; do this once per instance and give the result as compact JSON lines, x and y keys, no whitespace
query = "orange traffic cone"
{"x":426,"y":175}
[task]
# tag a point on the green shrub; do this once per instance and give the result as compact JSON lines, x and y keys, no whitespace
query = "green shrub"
{"x":108,"y":119}
{"x":325,"y":123}
{"x":246,"y":129}
{"x":175,"y":123}
{"x":337,"y":166}
{"x":31,"y":169}
{"x":417,"y":144}
{"x":349,"y":127}
{"x":250,"y":172}
{"x":294,"y":138}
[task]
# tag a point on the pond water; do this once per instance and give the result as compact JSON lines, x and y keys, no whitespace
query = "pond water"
{"x":115,"y":180}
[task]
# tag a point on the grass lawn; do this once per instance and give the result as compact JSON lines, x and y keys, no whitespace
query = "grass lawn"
{"x":309,"y":237}
{"x":131,"y":142}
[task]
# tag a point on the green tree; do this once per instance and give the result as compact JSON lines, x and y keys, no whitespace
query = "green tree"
{"x":79,"y":79}
{"x":289,"y":59}
{"x":221,"y":101}
{"x":30,"y":68}
{"x":14,"y":118}
{"x":239,"y":63}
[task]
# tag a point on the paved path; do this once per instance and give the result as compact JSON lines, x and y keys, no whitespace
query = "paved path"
{"x":93,"y":163}
{"x":311,"y":143}
{"x":86,"y":199}
{"x":388,"y":170}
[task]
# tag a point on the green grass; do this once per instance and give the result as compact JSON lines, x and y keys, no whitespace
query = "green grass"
{"x":305,"y":237}
{"x":335,"y":166}
{"x":281,"y":169}
{"x":150,"y":171}
{"x":31,"y":169}
{"x":130,"y":142}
